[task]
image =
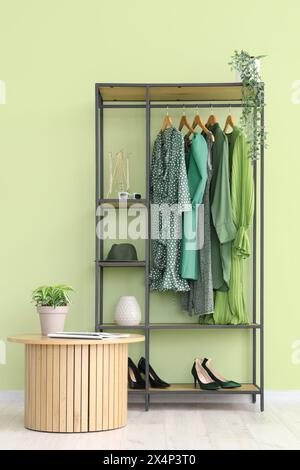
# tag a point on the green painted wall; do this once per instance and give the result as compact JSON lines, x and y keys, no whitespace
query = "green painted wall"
{"x":52,"y":53}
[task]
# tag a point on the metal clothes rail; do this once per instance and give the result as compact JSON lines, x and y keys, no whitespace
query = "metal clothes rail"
{"x":201,"y":95}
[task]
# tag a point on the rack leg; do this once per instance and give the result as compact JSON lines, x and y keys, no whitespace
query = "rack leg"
{"x":147,"y":402}
{"x":253,"y":398}
{"x":262,"y":402}
{"x":262,"y":268}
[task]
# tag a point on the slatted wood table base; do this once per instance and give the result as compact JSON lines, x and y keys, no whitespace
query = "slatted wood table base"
{"x":75,"y":385}
{"x":76,"y":388}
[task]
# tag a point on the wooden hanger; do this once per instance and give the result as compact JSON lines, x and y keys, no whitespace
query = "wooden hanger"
{"x":212,"y":118}
{"x":184,"y":122}
{"x":198,"y":122}
{"x":167,"y":121}
{"x":229,"y":122}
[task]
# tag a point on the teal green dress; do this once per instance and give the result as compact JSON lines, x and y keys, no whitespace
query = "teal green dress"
{"x":200,"y":299}
{"x":196,"y":160}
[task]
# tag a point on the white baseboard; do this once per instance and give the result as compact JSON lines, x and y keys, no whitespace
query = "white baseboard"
{"x":7,"y":395}
{"x":171,"y":399}
{"x":282,"y":396}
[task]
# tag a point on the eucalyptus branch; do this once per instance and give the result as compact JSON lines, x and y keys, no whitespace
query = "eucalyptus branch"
{"x":252,"y":102}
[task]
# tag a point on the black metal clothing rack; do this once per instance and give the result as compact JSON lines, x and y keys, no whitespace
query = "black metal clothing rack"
{"x":199,"y":95}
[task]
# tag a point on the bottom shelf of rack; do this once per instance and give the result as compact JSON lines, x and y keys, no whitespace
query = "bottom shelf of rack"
{"x":182,"y":388}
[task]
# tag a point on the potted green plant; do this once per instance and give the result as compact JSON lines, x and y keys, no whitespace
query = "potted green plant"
{"x":52,"y":303}
{"x":247,"y":68}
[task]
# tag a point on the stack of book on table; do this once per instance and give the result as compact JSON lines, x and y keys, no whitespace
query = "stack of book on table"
{"x":87,"y":335}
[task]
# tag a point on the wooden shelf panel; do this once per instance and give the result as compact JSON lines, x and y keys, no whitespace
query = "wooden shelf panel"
{"x":122,"y":264}
{"x":176,"y":92}
{"x":123,"y":93}
{"x":117,"y":204}
{"x":246,"y":388}
{"x":197,"y":93}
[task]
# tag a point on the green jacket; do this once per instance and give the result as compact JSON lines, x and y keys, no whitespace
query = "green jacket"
{"x":223,"y":230}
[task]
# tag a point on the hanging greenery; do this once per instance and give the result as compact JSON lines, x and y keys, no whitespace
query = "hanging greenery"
{"x":252,"y":99}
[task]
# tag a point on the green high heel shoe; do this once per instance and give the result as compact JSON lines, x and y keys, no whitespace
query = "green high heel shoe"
{"x":223,"y":383}
{"x":203,"y":379}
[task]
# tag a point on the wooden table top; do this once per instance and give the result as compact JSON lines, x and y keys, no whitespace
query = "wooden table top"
{"x":44,"y":340}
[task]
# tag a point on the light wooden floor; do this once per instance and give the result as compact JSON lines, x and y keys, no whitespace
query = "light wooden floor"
{"x":170,"y":426}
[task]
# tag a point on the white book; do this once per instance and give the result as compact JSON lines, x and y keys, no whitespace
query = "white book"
{"x":87,"y":335}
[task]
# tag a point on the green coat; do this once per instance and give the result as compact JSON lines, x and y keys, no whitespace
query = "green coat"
{"x":196,"y":160}
{"x":223,"y":231}
{"x":168,"y":187}
{"x":200,"y":299}
{"x":230,"y":306}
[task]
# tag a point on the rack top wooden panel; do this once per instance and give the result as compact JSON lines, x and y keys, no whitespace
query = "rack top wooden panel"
{"x":168,"y":93}
{"x":44,"y":340}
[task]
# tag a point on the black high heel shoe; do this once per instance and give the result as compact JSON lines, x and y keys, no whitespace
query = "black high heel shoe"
{"x":201,"y":376}
{"x":155,"y":381}
{"x":135,"y":380}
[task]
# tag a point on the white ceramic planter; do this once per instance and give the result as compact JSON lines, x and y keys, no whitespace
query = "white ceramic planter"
{"x":52,"y":319}
{"x":237,"y":74}
{"x":128,"y":311}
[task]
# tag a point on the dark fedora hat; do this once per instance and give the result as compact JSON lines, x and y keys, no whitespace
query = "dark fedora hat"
{"x":122,"y":252}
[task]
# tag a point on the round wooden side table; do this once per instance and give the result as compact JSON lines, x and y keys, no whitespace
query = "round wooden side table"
{"x":75,"y":385}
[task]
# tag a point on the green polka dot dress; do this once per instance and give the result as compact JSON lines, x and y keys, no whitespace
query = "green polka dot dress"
{"x":169,"y":194}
